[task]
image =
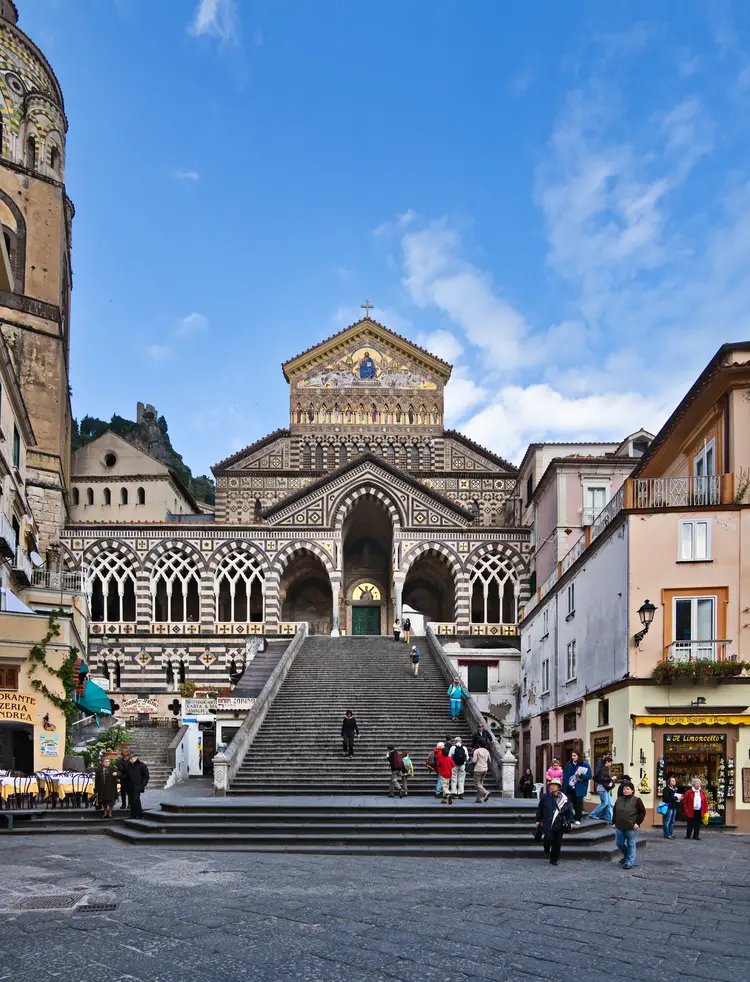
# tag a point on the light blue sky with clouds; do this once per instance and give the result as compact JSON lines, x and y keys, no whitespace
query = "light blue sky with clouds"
{"x":553,"y":197}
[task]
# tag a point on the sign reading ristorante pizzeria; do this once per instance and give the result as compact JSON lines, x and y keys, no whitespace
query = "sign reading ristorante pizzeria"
{"x":18,"y":707}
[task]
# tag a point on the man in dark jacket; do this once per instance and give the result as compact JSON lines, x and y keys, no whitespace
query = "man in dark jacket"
{"x":482,"y":738}
{"x":138,"y":778}
{"x":628,"y":817}
{"x":348,"y":729}
{"x":122,"y":767}
{"x":553,"y":815}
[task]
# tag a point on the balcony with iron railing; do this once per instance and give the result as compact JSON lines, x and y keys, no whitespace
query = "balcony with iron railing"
{"x":680,"y":492}
{"x":686,"y":651}
{"x":59,"y":581}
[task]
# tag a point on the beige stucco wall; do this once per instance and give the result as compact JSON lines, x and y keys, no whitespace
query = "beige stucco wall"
{"x":18,"y":634}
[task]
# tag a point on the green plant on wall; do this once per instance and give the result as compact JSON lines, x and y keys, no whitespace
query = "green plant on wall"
{"x":109,"y":741}
{"x":697,"y":669}
{"x":65,"y":673}
{"x":743,"y":483}
{"x":187,"y":689}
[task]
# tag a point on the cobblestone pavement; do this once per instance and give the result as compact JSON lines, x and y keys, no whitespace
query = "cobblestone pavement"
{"x":682,"y":912}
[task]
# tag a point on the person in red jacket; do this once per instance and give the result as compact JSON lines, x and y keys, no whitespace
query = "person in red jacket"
{"x":694,"y":807}
{"x":445,"y":767}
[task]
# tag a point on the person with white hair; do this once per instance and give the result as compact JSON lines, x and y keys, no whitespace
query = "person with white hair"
{"x":694,"y":807}
{"x":460,"y":759}
{"x":554,"y":816}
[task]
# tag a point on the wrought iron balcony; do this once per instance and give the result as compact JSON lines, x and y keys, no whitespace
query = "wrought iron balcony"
{"x":685,"y":651}
{"x":59,"y":581}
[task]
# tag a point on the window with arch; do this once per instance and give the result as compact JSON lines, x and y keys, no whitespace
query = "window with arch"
{"x":169,"y":674}
{"x":414,"y":458}
{"x":306,"y":456}
{"x":76,"y":496}
{"x":30,"y":152}
{"x":258,"y":510}
{"x":89,"y":496}
{"x":141,"y":496}
{"x":107,"y":496}
{"x":238,"y":586}
{"x":181,"y":671}
{"x":54,"y":159}
{"x":117,"y":673}
{"x":320,"y":461}
{"x":175,"y":587}
{"x":342,"y":453}
{"x":123,"y":496}
{"x":494,"y":591}
{"x":111,"y":587}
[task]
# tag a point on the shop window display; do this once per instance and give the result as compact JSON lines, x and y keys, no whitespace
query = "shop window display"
{"x":703,"y":755}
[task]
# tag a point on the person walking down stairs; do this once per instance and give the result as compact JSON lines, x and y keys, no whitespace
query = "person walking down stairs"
{"x":406,"y":628}
{"x":348,"y":729}
{"x":415,"y":656}
{"x":456,"y":692}
{"x":481,"y":759}
{"x":396,"y":763}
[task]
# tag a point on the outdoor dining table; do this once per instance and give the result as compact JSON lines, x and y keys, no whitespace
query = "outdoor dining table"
{"x":63,"y":785}
{"x":17,"y":785}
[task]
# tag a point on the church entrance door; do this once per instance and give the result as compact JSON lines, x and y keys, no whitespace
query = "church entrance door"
{"x":365,"y":620}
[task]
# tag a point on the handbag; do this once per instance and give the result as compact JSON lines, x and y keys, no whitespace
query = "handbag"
{"x":704,"y":819}
{"x":470,"y":765}
{"x":538,"y":834}
{"x":662,"y":808}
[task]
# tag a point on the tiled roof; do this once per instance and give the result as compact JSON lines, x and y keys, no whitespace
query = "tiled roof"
{"x":350,"y":465}
{"x":259,"y":444}
{"x":455,"y":435}
{"x":365,"y":320}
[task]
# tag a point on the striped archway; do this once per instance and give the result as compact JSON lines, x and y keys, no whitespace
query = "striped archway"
{"x":349,"y":499}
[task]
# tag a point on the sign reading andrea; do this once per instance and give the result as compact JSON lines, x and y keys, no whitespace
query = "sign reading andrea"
{"x":18,"y":707}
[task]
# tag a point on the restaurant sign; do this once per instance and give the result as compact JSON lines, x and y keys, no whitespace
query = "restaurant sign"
{"x":18,"y":707}
{"x":139,"y":704}
{"x":234,"y":703}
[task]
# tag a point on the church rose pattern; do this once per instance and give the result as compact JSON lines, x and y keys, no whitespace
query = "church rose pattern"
{"x":365,"y":431}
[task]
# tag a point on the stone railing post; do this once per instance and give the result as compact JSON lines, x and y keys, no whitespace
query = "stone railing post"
{"x":508,"y":766}
{"x":221,"y":775}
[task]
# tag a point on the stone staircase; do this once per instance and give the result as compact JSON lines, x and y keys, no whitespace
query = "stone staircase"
{"x":358,"y":826}
{"x":298,"y":747}
{"x":150,"y":743}
{"x":260,"y":669}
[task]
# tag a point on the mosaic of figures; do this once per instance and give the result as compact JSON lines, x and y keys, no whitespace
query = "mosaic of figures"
{"x":392,"y":412}
{"x":370,"y":365}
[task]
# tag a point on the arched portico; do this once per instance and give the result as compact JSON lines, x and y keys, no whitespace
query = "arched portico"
{"x":367,"y":560}
{"x":429,"y":586}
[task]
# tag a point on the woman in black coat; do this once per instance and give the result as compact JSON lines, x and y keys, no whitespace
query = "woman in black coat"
{"x":526,"y":784}
{"x":105,"y":786}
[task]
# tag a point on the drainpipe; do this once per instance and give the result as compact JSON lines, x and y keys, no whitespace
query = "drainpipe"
{"x":557,"y":676}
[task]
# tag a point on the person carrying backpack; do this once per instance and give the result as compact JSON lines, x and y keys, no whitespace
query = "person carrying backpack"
{"x":415,"y":656}
{"x":408,"y":772}
{"x":406,"y":628}
{"x":396,"y":763}
{"x":458,"y":753}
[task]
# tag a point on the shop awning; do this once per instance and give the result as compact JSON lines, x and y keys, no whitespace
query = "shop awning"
{"x":94,"y":700}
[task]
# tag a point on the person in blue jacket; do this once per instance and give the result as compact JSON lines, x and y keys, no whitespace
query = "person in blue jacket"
{"x":456,"y":692}
{"x":576,"y":777}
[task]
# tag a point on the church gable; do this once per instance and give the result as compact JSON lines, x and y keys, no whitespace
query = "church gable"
{"x":412,"y":505}
{"x":366,"y":355}
{"x":462,"y":454}
{"x":269,"y":453}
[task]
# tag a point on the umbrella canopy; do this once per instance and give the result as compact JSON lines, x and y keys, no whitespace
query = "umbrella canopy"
{"x":94,"y":699}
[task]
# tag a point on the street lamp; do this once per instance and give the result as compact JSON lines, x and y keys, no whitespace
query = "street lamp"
{"x":646,"y":613}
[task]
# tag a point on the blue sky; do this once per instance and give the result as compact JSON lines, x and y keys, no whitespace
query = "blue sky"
{"x":554,"y":197}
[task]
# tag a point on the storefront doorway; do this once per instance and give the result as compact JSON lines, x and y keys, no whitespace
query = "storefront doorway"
{"x":703,"y":755}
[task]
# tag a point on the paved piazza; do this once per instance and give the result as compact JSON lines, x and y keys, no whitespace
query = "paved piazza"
{"x":684,"y":911}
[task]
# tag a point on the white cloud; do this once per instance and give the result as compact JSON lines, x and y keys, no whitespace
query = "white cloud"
{"x":521,"y":415}
{"x":158,"y":352}
{"x":216,"y":18}
{"x":462,"y":395}
{"x":437,"y":276}
{"x":443,"y":344}
{"x":191,"y":325}
{"x":186,"y":176}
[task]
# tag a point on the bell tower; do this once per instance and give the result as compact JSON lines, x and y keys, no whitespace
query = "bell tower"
{"x":35,"y":270}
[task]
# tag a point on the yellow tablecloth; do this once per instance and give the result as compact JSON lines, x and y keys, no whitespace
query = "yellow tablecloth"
{"x":17,"y":785}
{"x":64,"y":786}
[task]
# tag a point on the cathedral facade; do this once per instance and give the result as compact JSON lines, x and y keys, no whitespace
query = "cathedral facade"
{"x":362,"y":506}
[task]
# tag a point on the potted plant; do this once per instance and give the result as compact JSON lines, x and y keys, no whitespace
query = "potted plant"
{"x":187,"y":690}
